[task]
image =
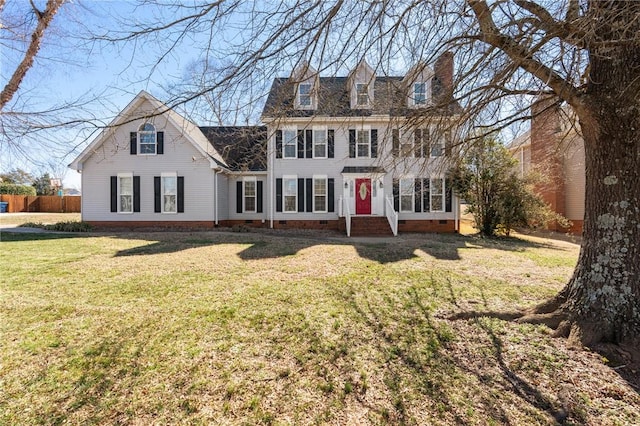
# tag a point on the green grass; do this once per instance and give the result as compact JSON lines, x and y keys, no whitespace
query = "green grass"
{"x":243,"y":328}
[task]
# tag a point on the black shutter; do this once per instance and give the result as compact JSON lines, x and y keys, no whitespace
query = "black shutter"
{"x":300,"y":195}
{"x":278,"y":143}
{"x":114,"y":194}
{"x":133,"y":143}
{"x":395,"y":143}
{"x":374,"y":143}
{"x":426,"y":142}
{"x":300,"y":143}
{"x":279,"y":194}
{"x":309,"y":194}
{"x":156,"y":195}
{"x":417,"y":192}
{"x":330,"y":195}
{"x":417,"y":143}
{"x":426,"y":195}
{"x":396,"y":195}
{"x":447,"y":143}
{"x":180,"y":194}
{"x":308,"y":148}
{"x":136,"y":194}
{"x":160,"y":142}
{"x":239,"y":196}
{"x":330,"y":143}
{"x":259,"y":196}
{"x":448,"y":191}
{"x":352,"y":143}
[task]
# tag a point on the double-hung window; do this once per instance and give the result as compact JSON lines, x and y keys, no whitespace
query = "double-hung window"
{"x":289,"y":144}
{"x":406,"y":194}
{"x":319,"y":194}
{"x":362,"y":94}
{"x":304,"y":95}
{"x":436,"y":194}
{"x":420,"y":93}
{"x":363,"y":143}
{"x":169,"y":191}
{"x":125,"y":193}
{"x":437,"y":147}
{"x":290,"y":193}
{"x":406,"y":144}
{"x":249,"y":195}
{"x":319,"y":143}
{"x":147,"y":139}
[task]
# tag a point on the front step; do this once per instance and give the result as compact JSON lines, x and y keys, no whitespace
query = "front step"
{"x":364,"y":226}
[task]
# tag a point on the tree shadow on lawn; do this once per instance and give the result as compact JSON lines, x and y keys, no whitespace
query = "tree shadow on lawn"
{"x":426,"y":360}
{"x":270,"y":245}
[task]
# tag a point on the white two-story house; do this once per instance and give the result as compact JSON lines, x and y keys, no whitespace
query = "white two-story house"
{"x":361,"y":153}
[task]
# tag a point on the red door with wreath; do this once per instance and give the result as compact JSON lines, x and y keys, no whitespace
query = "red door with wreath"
{"x":363,"y":196}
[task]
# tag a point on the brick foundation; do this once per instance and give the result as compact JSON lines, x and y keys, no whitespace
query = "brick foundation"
{"x":257,"y":223}
{"x":165,"y":225}
{"x":438,"y":226}
{"x":306,"y":224}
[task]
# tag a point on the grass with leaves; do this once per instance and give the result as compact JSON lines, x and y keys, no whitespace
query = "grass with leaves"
{"x":255,"y":328}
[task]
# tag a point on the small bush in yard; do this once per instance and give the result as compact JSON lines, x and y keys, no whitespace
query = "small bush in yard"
{"x":70,"y":226}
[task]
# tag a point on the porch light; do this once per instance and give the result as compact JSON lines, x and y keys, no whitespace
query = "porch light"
{"x":346,"y":185}
{"x":381,"y":184}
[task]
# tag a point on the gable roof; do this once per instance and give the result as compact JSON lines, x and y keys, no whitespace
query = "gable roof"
{"x":334,"y":99}
{"x":190,"y":131}
{"x":243,"y":148}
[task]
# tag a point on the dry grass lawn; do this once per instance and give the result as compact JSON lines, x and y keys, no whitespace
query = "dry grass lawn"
{"x":257,"y":328}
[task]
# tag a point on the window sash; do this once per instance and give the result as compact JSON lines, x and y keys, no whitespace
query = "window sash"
{"x":436,"y":194}
{"x":420,"y":93}
{"x":406,"y":144}
{"x":406,"y":195}
{"x":363,"y":143}
{"x":320,"y":144}
{"x":304,"y":94}
{"x":290,"y":195}
{"x":125,"y":194}
{"x":437,"y":148}
{"x":320,"y":194}
{"x":249,"y":188}
{"x":289,"y":144}
{"x":169,"y":191}
{"x":362,"y":94}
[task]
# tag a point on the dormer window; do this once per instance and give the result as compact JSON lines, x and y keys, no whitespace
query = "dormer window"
{"x":304,"y":95}
{"x":420,"y":93}
{"x":147,"y":139}
{"x":362,"y":94}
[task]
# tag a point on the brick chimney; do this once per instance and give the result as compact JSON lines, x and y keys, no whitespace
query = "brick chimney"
{"x":443,"y":70}
{"x":545,"y":152}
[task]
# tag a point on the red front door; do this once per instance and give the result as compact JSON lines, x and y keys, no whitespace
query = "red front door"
{"x":363,"y":196}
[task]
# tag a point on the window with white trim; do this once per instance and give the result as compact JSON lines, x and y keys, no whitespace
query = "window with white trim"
{"x":169,"y":191}
{"x":437,"y":146}
{"x":290,"y":193}
{"x":319,"y":194}
{"x":436,"y":194}
{"x":249,"y":194}
{"x":304,"y":95}
{"x":147,"y":139}
{"x":419,"y":93}
{"x":363,"y":143}
{"x":406,"y":144}
{"x":125,"y":192}
{"x":362,"y":94}
{"x":319,"y":143}
{"x":406,"y":194}
{"x":289,"y":145}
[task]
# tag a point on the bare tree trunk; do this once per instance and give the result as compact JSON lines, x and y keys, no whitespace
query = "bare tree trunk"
{"x":44,"y":19}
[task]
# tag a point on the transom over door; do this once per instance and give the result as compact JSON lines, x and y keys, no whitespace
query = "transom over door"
{"x":363,"y":196}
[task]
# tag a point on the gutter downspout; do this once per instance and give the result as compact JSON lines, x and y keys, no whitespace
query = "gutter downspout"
{"x":457,"y":214}
{"x":215,"y":197}
{"x":272,"y":184}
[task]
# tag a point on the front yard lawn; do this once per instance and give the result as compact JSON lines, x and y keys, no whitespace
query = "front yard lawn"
{"x":254,"y":328}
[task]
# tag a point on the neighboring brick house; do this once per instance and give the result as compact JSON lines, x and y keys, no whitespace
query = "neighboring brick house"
{"x":554,"y":146}
{"x":361,"y":153}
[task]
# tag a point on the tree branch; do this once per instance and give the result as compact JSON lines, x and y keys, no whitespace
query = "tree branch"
{"x":44,"y":19}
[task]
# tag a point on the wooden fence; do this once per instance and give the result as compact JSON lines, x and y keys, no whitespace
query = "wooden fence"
{"x":42,"y":203}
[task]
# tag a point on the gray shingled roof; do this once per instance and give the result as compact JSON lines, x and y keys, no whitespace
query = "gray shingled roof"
{"x":243,"y":148}
{"x":334,"y":101}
